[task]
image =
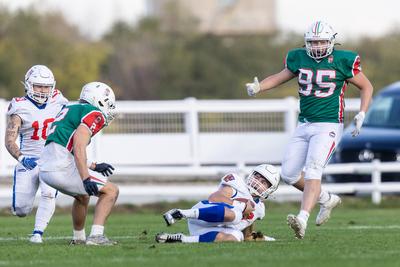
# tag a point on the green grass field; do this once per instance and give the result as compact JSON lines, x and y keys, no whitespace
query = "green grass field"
{"x":358,"y":234}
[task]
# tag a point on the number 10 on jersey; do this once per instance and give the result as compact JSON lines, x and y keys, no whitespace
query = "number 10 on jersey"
{"x":36,"y":127}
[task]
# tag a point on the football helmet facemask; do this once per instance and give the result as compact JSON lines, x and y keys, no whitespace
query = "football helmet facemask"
{"x":39,"y":75}
{"x":257,"y":187}
{"x":319,"y":40}
{"x":101,"y":96}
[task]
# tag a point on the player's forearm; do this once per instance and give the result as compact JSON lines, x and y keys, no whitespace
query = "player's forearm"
{"x":366,"y":96}
{"x":13,"y":149}
{"x":247,"y":233}
{"x":275,"y":80}
{"x":11,"y":136}
{"x":217,"y":197}
{"x":81,"y":161}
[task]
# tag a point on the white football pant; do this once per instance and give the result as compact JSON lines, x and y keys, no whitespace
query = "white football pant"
{"x":309,"y":150}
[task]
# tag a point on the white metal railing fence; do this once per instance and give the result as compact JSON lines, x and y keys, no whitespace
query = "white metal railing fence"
{"x":140,"y":193}
{"x":192,"y":137}
{"x":190,"y":133}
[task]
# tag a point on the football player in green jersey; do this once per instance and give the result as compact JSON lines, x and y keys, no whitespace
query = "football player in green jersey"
{"x":323,"y":73}
{"x":64,"y":165}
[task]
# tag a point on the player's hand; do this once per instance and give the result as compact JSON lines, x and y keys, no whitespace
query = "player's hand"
{"x":253,"y":88}
{"x":104,"y":168}
{"x":28,"y":162}
{"x":249,"y":208}
{"x":358,"y":121}
{"x":90,"y":187}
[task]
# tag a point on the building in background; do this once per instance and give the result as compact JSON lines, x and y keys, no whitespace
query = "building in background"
{"x":223,"y":17}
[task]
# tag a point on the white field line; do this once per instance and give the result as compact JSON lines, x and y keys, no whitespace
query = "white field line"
{"x":377,"y":227}
{"x":64,"y":238}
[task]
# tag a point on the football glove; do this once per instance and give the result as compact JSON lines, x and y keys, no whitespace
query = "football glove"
{"x":253,"y":88}
{"x":90,"y":187}
{"x":358,"y":121}
{"x":104,"y":168}
{"x":28,"y":162}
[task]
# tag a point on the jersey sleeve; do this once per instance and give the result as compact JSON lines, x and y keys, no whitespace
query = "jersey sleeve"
{"x":351,"y":65}
{"x":235,"y":182}
{"x":94,"y":120}
{"x":60,"y":98}
{"x":15,"y":106}
{"x":292,"y":61}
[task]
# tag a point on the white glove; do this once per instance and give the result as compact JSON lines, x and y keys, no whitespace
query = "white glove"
{"x":358,"y":121}
{"x":253,"y":88}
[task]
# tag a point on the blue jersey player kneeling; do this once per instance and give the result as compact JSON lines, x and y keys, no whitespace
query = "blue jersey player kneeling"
{"x":229,"y":213}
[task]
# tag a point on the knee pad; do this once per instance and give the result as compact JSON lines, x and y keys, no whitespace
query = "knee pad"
{"x":313,"y":170}
{"x":290,"y":179}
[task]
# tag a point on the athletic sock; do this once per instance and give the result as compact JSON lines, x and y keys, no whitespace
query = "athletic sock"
{"x":190,"y":239}
{"x":190,"y":213}
{"x":44,"y":212}
{"x":79,"y":234}
{"x":97,"y":230}
{"x":303,"y":216}
{"x":323,"y":197}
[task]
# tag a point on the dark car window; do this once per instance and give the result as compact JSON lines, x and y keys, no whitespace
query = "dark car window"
{"x":384,"y":112}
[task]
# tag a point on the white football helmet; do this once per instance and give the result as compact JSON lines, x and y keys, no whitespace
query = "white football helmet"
{"x":101,"y":96}
{"x":319,"y":31}
{"x":42,"y":76}
{"x":257,"y":188}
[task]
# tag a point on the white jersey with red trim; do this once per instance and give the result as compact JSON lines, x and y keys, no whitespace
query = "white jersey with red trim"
{"x":240,"y":190}
{"x":36,"y":120}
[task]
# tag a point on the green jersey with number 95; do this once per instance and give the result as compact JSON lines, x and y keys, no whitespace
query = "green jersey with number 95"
{"x":322,"y":84}
{"x":68,"y":120}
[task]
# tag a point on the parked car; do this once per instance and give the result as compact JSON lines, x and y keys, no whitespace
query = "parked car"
{"x":379,"y":137}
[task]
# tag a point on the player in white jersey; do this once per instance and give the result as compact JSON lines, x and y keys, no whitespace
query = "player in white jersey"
{"x":29,"y":117}
{"x":229,"y":213}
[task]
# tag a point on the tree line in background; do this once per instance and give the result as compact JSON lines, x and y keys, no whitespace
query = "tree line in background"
{"x":163,"y":58}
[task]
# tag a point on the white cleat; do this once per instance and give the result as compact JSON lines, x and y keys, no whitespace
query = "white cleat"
{"x":36,"y":239}
{"x":297,"y":225}
{"x":326,"y":209}
{"x":99,"y":240}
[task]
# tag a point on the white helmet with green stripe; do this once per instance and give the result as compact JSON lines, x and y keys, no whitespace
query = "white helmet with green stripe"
{"x":319,"y":39}
{"x":101,"y":96}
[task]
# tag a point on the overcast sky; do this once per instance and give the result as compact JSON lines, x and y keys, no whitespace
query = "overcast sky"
{"x":350,"y":18}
